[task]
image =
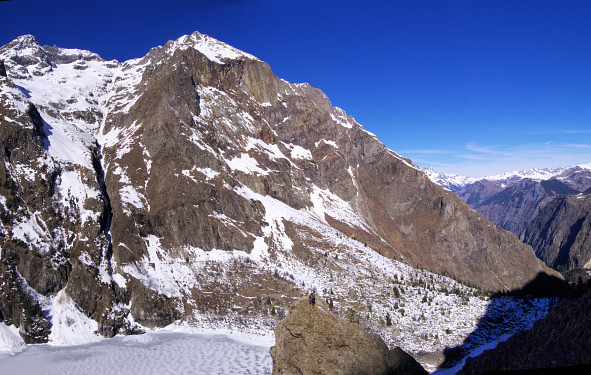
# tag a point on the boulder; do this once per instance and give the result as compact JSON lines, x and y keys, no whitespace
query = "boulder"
{"x":313,"y":340}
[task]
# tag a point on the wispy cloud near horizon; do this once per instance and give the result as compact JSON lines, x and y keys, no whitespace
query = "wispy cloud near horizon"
{"x":576,"y":131}
{"x":477,"y":160}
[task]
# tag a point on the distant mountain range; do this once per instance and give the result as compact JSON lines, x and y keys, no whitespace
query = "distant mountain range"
{"x":547,"y":208}
{"x":577,"y":175}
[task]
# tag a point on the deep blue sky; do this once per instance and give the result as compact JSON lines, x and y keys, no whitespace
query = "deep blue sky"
{"x":471,"y":87}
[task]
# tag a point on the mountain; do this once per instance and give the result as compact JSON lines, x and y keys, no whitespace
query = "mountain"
{"x":193,"y":184}
{"x":511,"y":200}
{"x":560,"y":232}
{"x":544,"y":207}
{"x":449,"y":181}
{"x":513,"y":207}
{"x":479,"y":191}
{"x":577,"y":177}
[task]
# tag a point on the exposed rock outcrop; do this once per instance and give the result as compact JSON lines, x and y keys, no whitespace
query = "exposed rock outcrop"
{"x":513,"y":207}
{"x":560,"y":234}
{"x":312,"y":340}
{"x":2,"y":69}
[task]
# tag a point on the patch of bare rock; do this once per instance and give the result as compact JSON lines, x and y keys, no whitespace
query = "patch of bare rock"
{"x":313,"y":340}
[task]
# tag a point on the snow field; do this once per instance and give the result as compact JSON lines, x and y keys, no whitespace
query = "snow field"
{"x":10,"y":340}
{"x":152,"y":353}
{"x":69,"y":325}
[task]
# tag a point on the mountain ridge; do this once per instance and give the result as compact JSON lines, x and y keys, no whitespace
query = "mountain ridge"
{"x":456,"y":182}
{"x":179,"y":186}
{"x":537,"y":209}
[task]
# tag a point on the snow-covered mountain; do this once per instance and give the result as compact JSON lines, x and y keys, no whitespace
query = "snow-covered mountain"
{"x":194,"y":185}
{"x":449,"y":181}
{"x":456,"y":183}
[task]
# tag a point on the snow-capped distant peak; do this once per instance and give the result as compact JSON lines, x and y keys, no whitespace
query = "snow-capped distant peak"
{"x":455,"y":182}
{"x":25,"y":57}
{"x":450,"y":181}
{"x":585,"y":166}
{"x":25,"y":41}
{"x":215,"y":50}
{"x":534,"y":174}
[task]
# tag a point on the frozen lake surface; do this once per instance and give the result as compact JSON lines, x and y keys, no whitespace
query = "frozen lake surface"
{"x":151,"y":353}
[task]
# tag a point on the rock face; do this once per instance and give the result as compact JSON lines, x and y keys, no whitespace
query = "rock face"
{"x":513,"y":199}
{"x":478,"y":192}
{"x":183,"y":183}
{"x":560,"y":232}
{"x":548,"y":215}
{"x":513,"y":207}
{"x":312,"y":340}
{"x":2,"y":69}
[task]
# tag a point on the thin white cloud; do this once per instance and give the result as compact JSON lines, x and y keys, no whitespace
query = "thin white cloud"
{"x":576,"y":131}
{"x":556,"y":131}
{"x":427,"y":151}
{"x":471,"y":156}
{"x":483,"y":149}
{"x":477,"y":160}
{"x":576,"y":145}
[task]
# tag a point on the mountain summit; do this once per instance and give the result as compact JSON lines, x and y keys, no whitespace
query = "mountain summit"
{"x":193,"y":181}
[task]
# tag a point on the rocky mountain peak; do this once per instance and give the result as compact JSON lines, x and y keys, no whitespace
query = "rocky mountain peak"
{"x":25,"y":57}
{"x":24,"y":51}
{"x":449,"y":181}
{"x":25,"y":41}
{"x":215,"y":50}
{"x":182,"y":184}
